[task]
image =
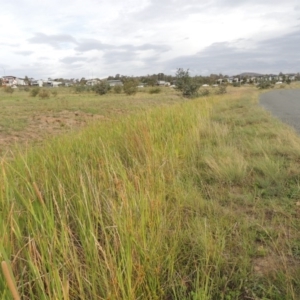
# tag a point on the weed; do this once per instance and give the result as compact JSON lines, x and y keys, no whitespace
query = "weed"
{"x":44,"y":94}
{"x":222,"y":89}
{"x":8,"y":90}
{"x":54,"y":93}
{"x":34,"y":91}
{"x":101,"y":88}
{"x":154,"y":90}
{"x":130,"y":87}
{"x":204,"y":92}
{"x":166,"y":203}
{"x":118,"y":89}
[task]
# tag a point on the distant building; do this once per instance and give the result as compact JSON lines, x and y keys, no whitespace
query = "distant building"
{"x":54,"y":83}
{"x":12,"y":81}
{"x":92,"y":82}
{"x":292,"y":77}
{"x":163,"y":83}
{"x":115,"y":82}
{"x":39,"y":83}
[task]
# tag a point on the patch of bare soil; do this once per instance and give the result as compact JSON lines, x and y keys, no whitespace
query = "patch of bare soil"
{"x":44,"y":125}
{"x":272,"y":263}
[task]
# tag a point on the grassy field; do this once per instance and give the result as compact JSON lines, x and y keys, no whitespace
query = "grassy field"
{"x":196,"y":200}
{"x":25,"y":118}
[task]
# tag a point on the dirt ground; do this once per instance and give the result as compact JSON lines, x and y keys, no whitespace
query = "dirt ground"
{"x":44,"y":125}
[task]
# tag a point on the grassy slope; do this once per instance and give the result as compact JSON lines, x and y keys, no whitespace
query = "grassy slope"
{"x":195,"y":201}
{"x":35,"y":118}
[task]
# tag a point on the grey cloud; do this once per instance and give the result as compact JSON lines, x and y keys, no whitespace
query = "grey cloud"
{"x":145,"y":47}
{"x":116,"y":56}
{"x":171,"y":10}
{"x":9,"y":45}
{"x":127,"y":53}
{"x":287,"y":45}
{"x":236,"y":3}
{"x":269,"y":56}
{"x":72,"y":59}
{"x":91,"y":44}
{"x":25,"y":53}
{"x":55,"y":40}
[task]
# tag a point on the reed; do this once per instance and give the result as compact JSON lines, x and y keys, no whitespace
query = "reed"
{"x":197,"y":200}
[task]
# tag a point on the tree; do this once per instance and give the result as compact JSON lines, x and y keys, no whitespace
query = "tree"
{"x":161,"y":76}
{"x":150,"y":81}
{"x":130,"y":87}
{"x":8,"y":90}
{"x":186,"y":84}
{"x":118,"y":89}
{"x":26,"y":80}
{"x":102,"y":88}
{"x":82,"y":81}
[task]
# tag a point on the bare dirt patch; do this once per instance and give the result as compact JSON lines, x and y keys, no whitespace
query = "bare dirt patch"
{"x":43,"y":125}
{"x":272,"y":264}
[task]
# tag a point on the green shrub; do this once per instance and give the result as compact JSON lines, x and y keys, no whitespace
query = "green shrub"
{"x":102,"y":88}
{"x":130,"y":87}
{"x":43,"y":94}
{"x":79,"y":88}
{"x":186,"y":84}
{"x":221,"y":90}
{"x":204,"y":92}
{"x":265,"y":85}
{"x":8,"y":90}
{"x":118,"y":89}
{"x":34,"y":92}
{"x":155,"y":90}
{"x":24,"y":89}
{"x":54,"y":93}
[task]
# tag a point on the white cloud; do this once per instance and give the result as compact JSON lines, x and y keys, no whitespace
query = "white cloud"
{"x":145,"y":36}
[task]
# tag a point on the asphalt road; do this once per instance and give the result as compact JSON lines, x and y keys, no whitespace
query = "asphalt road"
{"x":285,"y":105}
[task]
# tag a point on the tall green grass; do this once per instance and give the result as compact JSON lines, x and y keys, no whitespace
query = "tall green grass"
{"x":193,"y":201}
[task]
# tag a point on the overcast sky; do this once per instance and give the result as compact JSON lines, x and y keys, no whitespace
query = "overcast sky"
{"x":97,"y":38}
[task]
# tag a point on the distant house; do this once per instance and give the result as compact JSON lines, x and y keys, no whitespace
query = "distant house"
{"x":50,"y":83}
{"x":55,"y":83}
{"x":39,"y":82}
{"x":92,"y":82}
{"x":115,"y":82}
{"x":161,"y":82}
{"x":68,"y":82}
{"x":292,"y":77}
{"x":12,"y":81}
